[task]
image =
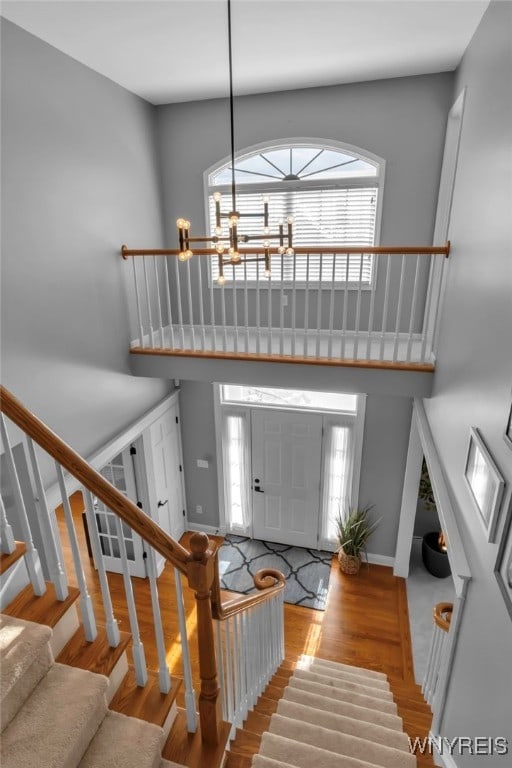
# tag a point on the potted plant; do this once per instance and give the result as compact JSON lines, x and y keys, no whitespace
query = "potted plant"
{"x":353,"y":531}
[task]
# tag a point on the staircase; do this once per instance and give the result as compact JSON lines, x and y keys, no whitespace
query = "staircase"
{"x":315,"y":711}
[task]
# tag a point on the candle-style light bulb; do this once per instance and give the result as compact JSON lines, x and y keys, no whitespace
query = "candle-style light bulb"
{"x":182,"y":256}
{"x":218,"y":231}
{"x":267,"y":273}
{"x":180,"y":223}
{"x":221,"y":280}
{"x":290,"y":252}
{"x":217,"y":196}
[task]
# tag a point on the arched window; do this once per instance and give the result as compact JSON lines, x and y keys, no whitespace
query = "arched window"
{"x":333,"y":193}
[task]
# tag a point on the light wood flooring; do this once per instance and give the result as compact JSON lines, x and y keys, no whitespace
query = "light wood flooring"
{"x":365,"y":623}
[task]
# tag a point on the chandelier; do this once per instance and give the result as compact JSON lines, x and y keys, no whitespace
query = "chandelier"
{"x":282,"y":240}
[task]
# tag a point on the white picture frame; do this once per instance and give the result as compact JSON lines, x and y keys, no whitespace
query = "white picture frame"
{"x":485,"y":483}
{"x":503,"y":567}
{"x":507,"y":435}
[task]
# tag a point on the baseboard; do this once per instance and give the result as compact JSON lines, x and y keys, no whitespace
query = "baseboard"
{"x":219,"y":531}
{"x":386,"y":560}
{"x":445,"y":760}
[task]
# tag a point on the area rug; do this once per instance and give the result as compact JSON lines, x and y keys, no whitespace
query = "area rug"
{"x":306,"y":570}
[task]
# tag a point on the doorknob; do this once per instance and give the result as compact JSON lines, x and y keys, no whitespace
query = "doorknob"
{"x":162,"y":503}
{"x":257,"y":485}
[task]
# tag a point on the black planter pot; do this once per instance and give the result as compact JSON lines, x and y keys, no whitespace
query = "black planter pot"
{"x":435,"y":561}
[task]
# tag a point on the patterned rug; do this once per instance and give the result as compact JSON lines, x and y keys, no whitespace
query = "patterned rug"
{"x":306,"y":570}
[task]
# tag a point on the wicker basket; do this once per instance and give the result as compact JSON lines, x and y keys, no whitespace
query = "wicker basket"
{"x":349,"y":564}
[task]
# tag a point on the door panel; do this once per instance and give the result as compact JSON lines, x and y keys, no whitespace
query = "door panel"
{"x":286,"y":458}
{"x":166,"y":455}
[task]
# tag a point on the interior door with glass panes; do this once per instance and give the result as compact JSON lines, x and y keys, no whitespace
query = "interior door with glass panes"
{"x":120,"y":473}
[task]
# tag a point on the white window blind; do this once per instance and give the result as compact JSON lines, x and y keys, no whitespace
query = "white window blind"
{"x":337,"y":478}
{"x":235,"y":442}
{"x":334,"y":216}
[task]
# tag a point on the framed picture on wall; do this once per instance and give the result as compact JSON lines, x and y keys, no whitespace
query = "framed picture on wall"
{"x":484,"y":481}
{"x":503,"y":567}
{"x":508,"y":429}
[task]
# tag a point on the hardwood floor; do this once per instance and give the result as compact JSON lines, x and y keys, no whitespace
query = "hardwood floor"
{"x":365,"y":623}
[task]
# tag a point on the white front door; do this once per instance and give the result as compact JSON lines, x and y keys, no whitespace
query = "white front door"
{"x":168,"y":474}
{"x":286,"y":460}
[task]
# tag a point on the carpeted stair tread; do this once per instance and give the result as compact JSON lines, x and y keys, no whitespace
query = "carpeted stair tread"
{"x":306,"y":756}
{"x":361,"y":700}
{"x":54,"y":727}
{"x":259,"y":761}
{"x":349,"y":725}
{"x":124,"y":742}
{"x":26,"y":658}
{"x":363,"y":749}
{"x":341,"y":674}
{"x":343,"y":684}
{"x":345,"y":708}
{"x":347,"y":667}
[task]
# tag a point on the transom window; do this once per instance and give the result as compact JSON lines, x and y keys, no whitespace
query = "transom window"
{"x":333,"y":195}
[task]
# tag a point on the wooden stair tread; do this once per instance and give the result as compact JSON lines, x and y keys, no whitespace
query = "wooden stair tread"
{"x":146,"y":703}
{"x":187,"y":748}
{"x":245,"y":743}
{"x":96,"y":656}
{"x":7,"y":560}
{"x":237,"y":761}
{"x":266,"y":706}
{"x":46,"y":609}
{"x":256,"y":722}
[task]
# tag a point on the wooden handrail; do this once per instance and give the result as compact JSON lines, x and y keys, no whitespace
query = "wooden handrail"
{"x":268,"y":580}
{"x":391,"y":250}
{"x":93,"y":481}
{"x":443,"y":615}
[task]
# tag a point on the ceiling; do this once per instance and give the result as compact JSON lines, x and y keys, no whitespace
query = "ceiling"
{"x":176,"y":50}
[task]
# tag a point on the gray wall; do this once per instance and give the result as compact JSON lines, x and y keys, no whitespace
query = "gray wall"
{"x":79,"y":178}
{"x":401,"y":120}
{"x":386,"y":438}
{"x":474,"y":373}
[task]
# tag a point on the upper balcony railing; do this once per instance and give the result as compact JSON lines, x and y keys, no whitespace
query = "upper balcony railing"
{"x":374,"y":306}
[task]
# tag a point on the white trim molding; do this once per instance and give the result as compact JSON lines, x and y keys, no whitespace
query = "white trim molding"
{"x":376,"y":559}
{"x":221,"y":531}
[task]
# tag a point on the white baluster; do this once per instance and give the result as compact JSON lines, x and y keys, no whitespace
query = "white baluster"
{"x":319,"y":306}
{"x":53,"y":552}
{"x":190,"y":306}
{"x":413,"y":307}
{"x":235,"y":311}
{"x":222,"y":670}
{"x":246,"y":309}
{"x":86,"y":607}
{"x":228,"y":635}
{"x":294,"y":304}
{"x":358,"y":308}
{"x":223,"y":318}
{"x":372,"y":309}
{"x":111,"y":623}
{"x":180,"y":304}
{"x":345,"y":307}
{"x":6,"y":535}
{"x":399,"y":308}
{"x":137,"y":301}
{"x":386,"y":307}
{"x":139,"y":658}
{"x":201,"y":305}
{"x":428,"y":309}
{"x":148,"y":302}
{"x":168,"y":299}
{"x":190,"y":694}
{"x":243,"y":661}
{"x":306,"y":308}
{"x":164,"y":676}
{"x":236,"y":675}
{"x":281,"y":309}
{"x":158,"y":303}
{"x":31,"y":555}
{"x":212,"y":307}
{"x":258,"y":308}
{"x":269,"y":316}
{"x":331,"y":305}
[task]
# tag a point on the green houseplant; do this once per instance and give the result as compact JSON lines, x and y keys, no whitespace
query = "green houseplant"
{"x":353,"y":531}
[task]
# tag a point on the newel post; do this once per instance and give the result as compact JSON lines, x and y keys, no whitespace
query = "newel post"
{"x":200,"y":572}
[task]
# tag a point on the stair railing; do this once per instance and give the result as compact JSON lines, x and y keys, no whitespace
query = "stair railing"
{"x":249,"y":642}
{"x":442,"y":615}
{"x":243,"y":617}
{"x":360,"y":303}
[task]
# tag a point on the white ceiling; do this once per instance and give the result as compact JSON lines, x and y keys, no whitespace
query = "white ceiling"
{"x":176,"y":50}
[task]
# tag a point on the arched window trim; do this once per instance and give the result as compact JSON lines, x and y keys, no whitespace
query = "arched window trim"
{"x":359,"y":152}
